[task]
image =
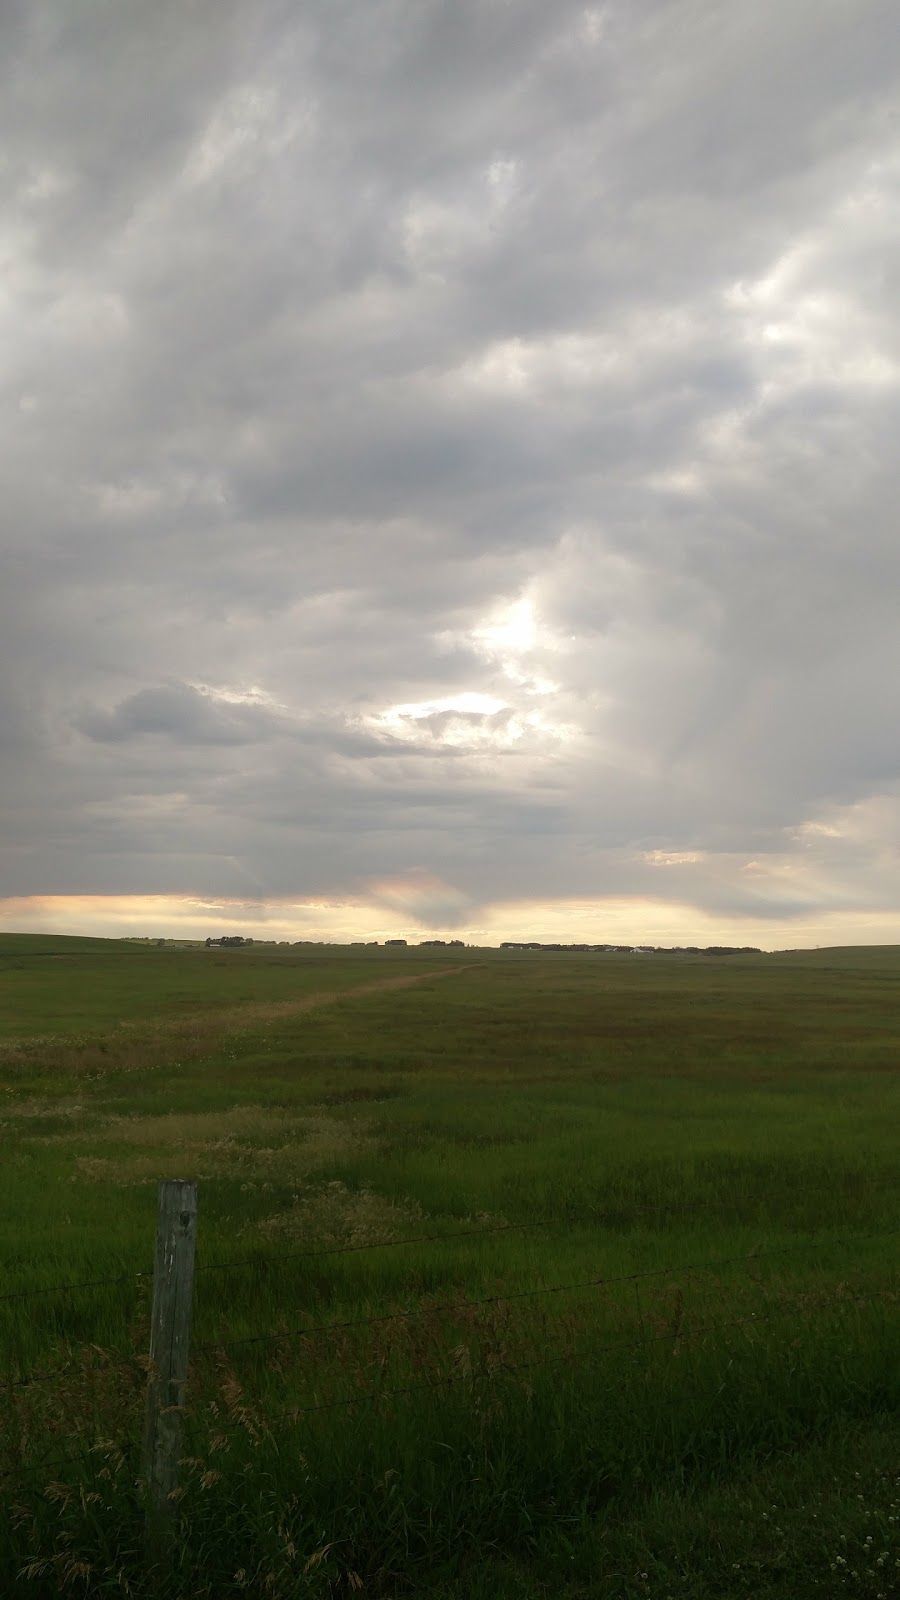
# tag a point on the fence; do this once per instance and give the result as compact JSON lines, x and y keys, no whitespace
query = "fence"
{"x":167,"y":1361}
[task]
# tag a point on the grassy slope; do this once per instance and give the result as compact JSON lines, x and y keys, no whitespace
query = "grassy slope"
{"x":665,"y":1112}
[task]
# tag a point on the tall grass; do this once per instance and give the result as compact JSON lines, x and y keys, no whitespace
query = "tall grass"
{"x":395,"y":1388}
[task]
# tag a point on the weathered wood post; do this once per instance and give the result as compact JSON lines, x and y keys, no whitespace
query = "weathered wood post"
{"x":170,"y":1329}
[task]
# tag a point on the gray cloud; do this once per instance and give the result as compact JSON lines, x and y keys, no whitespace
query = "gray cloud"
{"x":451,"y":445}
{"x":176,"y":712}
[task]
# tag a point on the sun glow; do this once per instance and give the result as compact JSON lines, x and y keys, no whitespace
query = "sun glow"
{"x":468,"y":704}
{"x":417,"y":906}
{"x":469,"y":720}
{"x":512,"y":628}
{"x":510,"y":641}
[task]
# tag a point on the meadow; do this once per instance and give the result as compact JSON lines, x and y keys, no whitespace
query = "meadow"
{"x":519,"y":1274}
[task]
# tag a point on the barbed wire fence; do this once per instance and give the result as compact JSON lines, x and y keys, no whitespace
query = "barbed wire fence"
{"x":164,"y":1369}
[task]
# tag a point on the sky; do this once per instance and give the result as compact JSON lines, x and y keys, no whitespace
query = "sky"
{"x":449,"y":480}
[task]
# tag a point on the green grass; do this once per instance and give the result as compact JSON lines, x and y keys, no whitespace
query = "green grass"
{"x":705,"y":1149}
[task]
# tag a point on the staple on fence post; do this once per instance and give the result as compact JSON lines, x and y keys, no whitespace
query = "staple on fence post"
{"x":170,"y":1328}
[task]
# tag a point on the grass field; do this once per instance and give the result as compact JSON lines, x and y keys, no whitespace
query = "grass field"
{"x":671,"y":1183}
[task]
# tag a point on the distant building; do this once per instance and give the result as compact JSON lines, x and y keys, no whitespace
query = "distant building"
{"x":228,"y":941}
{"x":396,"y":942}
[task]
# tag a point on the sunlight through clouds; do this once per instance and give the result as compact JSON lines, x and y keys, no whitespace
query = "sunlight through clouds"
{"x":452,"y":469}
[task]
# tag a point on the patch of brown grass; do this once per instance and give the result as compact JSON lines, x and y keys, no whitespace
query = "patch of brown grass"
{"x":216,"y":1144}
{"x":336,"y":1215}
{"x":36,"y":1109}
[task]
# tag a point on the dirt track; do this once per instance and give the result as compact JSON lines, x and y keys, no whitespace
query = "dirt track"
{"x":273,"y":1009}
{"x":201,"y":1028}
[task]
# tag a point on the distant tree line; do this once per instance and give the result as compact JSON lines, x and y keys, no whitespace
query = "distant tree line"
{"x":637,"y":949}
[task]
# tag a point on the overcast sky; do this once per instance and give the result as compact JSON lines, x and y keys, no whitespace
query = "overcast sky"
{"x":449,"y":470}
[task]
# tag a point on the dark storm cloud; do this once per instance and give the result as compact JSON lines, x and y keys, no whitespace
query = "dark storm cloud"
{"x":453,"y":440}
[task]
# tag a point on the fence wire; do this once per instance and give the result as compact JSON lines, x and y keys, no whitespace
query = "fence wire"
{"x":131,"y":1360}
{"x":502,"y":1369}
{"x":262,"y":1260}
{"x":449,"y":1307}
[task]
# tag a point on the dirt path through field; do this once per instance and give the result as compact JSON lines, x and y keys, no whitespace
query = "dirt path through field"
{"x":136,"y":1043}
{"x":271,"y":1010}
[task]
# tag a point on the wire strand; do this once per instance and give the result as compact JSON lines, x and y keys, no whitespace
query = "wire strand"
{"x":419,"y":1238}
{"x":500,"y":1299}
{"x":675,"y":1336}
{"x":68,"y":1288}
{"x":595,"y":1220}
{"x":128,"y":1360}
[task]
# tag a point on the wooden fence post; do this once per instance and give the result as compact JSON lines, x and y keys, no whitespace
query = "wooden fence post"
{"x":170,"y":1328}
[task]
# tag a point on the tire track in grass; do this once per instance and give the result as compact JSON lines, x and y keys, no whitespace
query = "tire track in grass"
{"x":134,"y":1045}
{"x":274,"y":1009}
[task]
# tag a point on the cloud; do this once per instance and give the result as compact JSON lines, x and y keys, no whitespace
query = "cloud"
{"x":181,"y":713}
{"x":452,"y":444}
